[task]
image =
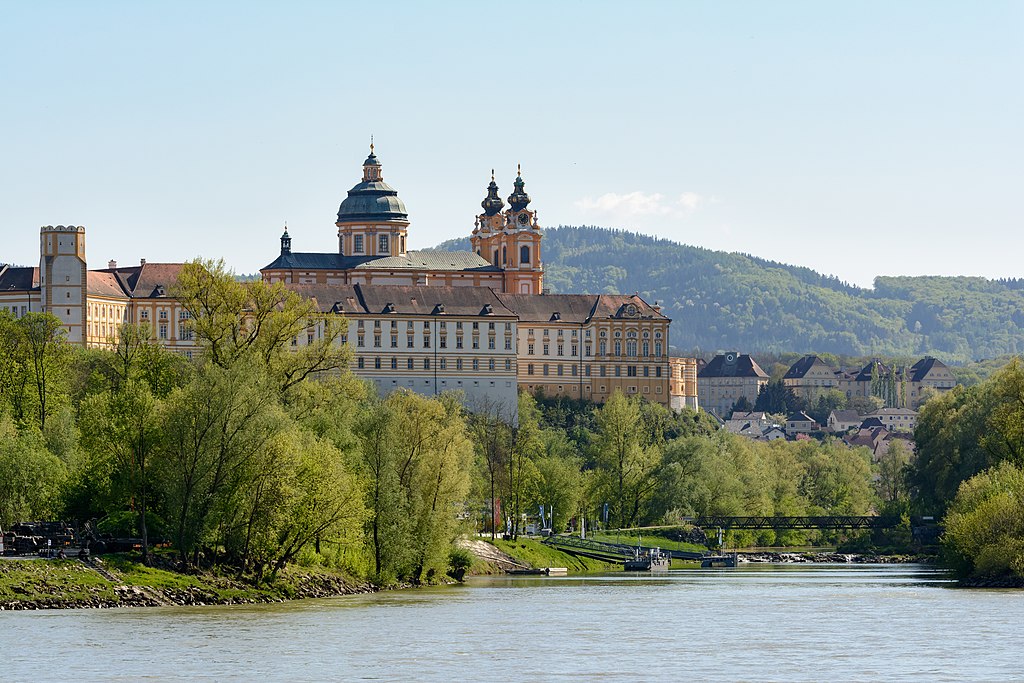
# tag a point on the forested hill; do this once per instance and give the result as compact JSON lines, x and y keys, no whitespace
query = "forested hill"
{"x":720,"y":300}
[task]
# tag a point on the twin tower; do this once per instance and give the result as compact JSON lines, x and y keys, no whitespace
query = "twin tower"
{"x":373,"y":225}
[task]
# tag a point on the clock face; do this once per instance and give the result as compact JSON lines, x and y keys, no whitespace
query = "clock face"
{"x":523,"y":219}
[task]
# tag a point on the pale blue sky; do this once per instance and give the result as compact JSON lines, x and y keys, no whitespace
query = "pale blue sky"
{"x":857,"y":138}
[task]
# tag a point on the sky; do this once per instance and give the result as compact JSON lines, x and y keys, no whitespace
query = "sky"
{"x":858,"y":139}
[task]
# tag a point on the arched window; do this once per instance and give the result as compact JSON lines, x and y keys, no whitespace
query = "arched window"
{"x":631,"y":347}
{"x":524,"y":254}
{"x":618,"y":348}
{"x":657,"y":349}
{"x":504,"y":256}
{"x":647,"y":348}
{"x":495,"y":257}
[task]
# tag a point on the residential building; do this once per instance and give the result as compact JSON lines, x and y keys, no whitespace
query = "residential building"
{"x":902,"y":419}
{"x":727,"y":378}
{"x":843,"y":420}
{"x":801,"y":423}
{"x":809,"y":377}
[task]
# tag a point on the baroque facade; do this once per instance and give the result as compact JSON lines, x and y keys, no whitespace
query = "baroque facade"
{"x":475,"y":321}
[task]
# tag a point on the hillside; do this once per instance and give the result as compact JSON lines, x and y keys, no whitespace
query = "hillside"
{"x":721,"y":300}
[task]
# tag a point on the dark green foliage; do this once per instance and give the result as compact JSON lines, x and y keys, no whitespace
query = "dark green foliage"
{"x":738,"y":301}
{"x":964,"y":432}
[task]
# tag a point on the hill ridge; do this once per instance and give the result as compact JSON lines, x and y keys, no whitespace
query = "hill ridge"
{"x":720,"y":300}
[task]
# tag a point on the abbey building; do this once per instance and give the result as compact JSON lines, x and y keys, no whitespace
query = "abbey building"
{"x":477,"y":321}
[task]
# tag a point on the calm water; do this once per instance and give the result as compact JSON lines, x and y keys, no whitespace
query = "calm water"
{"x":792,"y":623}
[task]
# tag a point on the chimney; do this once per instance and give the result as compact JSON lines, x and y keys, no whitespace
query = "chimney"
{"x":111,"y":264}
{"x":142,"y":261}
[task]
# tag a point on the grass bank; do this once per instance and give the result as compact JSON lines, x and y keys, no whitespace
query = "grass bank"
{"x":538,"y":555}
{"x":121,"y":581}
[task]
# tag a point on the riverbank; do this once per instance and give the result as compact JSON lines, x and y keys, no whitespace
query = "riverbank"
{"x":991,"y":582}
{"x":116,"y":581}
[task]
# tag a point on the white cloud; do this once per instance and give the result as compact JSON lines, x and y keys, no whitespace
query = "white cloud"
{"x":635,"y":204}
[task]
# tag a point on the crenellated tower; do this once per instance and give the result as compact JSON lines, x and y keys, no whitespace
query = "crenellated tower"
{"x":510,"y":239}
{"x":63,"y":277}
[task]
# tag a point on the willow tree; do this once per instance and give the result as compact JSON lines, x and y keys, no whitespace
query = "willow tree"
{"x":627,"y":458}
{"x":286,"y":333}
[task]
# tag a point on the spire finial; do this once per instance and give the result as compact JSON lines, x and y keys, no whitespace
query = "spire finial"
{"x":492,"y":175}
{"x":371,"y":143}
{"x":519,"y":169}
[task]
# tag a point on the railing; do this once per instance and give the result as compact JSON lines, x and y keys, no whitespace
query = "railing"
{"x":783,"y":522}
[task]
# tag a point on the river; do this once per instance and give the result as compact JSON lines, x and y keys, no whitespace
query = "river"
{"x":757,"y":622}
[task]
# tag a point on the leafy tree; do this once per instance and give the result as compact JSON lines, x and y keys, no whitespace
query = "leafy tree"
{"x":31,"y":477}
{"x":627,"y":459}
{"x":124,"y":426}
{"x":776,"y":397}
{"x":985,"y":525}
{"x":260,"y":320}
{"x":214,"y":430}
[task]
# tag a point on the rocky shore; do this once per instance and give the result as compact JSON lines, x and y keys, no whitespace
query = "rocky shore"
{"x":992,"y":582}
{"x":70,"y":584}
{"x":832,"y":558}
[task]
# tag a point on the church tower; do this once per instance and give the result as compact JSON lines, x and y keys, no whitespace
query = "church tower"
{"x":372,"y":220}
{"x":63,"y":277}
{"x":510,"y":240}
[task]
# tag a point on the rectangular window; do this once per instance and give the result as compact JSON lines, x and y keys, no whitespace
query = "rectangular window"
{"x":476,"y":342}
{"x":382,"y":244}
{"x":476,"y":363}
{"x":545,"y":369}
{"x":444,"y":342}
{"x":508,"y":364}
{"x":458,"y":342}
{"x":376,"y":363}
{"x":547,"y":349}
{"x":360,"y":363}
{"x":508,"y":343}
{"x":426,"y":363}
{"x":529,"y":369}
{"x":426,"y":342}
{"x":163,"y":330}
{"x":529,"y":349}
{"x":490,"y":343}
{"x":561,"y":349}
{"x":394,"y":341}
{"x":458,"y":363}
{"x":376,"y":341}
{"x":561,"y":370}
{"x":409,"y":363}
{"x":410,"y":342}
{"x":357,"y":244}
{"x":444,"y":363}
{"x":394,"y":363}
{"x":490,"y":365}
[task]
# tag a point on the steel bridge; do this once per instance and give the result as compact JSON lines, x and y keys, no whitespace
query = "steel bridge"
{"x":781,"y":522}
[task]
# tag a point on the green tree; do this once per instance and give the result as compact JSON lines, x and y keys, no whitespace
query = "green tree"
{"x":260,"y":320}
{"x":627,"y":460}
{"x":985,"y":525}
{"x":124,"y":426}
{"x":31,"y":477}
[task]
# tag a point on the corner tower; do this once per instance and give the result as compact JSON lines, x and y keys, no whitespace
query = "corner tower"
{"x":510,"y":240}
{"x":63,"y":277}
{"x":372,"y":220}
